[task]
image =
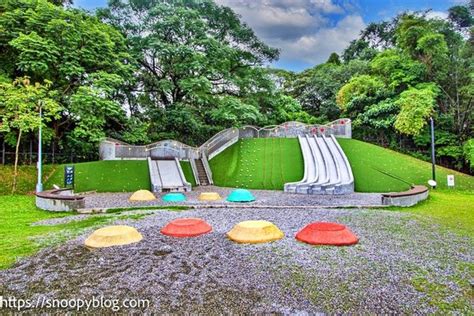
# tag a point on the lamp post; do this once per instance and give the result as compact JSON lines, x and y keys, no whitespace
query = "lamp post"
{"x":433,"y":162}
{"x":39,"y":184}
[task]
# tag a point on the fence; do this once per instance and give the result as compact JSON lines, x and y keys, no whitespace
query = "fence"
{"x":29,"y":158}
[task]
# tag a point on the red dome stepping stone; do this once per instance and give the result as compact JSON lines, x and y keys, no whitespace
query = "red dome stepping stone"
{"x":325,"y":233}
{"x":186,"y":227}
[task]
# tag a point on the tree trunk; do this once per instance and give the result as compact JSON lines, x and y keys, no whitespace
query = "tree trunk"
{"x":15,"y":172}
{"x":3,"y":151}
{"x":53,"y":147}
{"x":31,"y":150}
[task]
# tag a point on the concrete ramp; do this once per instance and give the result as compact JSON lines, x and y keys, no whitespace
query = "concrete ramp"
{"x":167,"y":175}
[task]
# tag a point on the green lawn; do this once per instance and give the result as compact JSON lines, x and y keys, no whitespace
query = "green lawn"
{"x":258,"y":163}
{"x":374,"y":168}
{"x":106,"y":176}
{"x":452,"y":210}
{"x":188,"y":172}
{"x":19,"y":238}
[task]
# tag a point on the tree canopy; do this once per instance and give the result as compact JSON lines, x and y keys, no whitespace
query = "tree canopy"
{"x":143,"y":71}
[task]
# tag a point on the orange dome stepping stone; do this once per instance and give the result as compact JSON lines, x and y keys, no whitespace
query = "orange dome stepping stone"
{"x":326,"y":233}
{"x":186,"y":227}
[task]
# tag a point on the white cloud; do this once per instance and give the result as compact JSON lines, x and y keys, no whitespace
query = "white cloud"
{"x":437,"y":14}
{"x":283,"y":18}
{"x":316,"y":48}
{"x":301,"y":29}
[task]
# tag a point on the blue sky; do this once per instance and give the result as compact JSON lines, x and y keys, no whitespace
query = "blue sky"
{"x":308,"y":31}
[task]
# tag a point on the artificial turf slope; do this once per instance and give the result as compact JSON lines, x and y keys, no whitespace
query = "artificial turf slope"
{"x":112,"y":176}
{"x":106,"y":176}
{"x":258,"y":163}
{"x":268,"y":163}
{"x":376,"y":169}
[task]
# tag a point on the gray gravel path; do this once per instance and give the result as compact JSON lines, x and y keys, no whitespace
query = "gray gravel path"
{"x":212,"y":275}
{"x":263,"y":197}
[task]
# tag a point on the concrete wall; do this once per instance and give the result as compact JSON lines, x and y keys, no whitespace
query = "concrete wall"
{"x":405,"y":201}
{"x":53,"y":202}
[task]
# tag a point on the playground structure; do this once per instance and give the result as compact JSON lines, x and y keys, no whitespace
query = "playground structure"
{"x":167,"y":175}
{"x":326,"y":168}
{"x":186,"y":227}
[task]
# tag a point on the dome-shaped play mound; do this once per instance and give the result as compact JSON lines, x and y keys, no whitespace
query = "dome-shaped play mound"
{"x":174,"y":197}
{"x":113,"y":236}
{"x":254,"y":232}
{"x":186,"y":227}
{"x":240,"y":195}
{"x":209,"y":196}
{"x":326,"y":233}
{"x":142,"y":195}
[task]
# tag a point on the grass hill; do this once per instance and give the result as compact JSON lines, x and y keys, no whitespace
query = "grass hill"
{"x":376,"y":169}
{"x":260,"y":163}
{"x":112,"y":176}
{"x":267,"y":163}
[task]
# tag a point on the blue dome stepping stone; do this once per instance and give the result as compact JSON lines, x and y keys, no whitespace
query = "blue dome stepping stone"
{"x":174,"y":197}
{"x":240,"y":195}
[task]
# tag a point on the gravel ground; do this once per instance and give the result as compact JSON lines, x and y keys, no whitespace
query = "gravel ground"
{"x":212,"y":275}
{"x":263,"y":197}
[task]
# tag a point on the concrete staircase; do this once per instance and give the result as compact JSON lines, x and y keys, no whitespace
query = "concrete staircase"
{"x":201,"y":172}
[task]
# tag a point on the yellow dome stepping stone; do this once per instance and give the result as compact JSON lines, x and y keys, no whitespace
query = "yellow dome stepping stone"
{"x":113,"y":236}
{"x":254,"y":232}
{"x":209,"y":196}
{"x":142,"y":195}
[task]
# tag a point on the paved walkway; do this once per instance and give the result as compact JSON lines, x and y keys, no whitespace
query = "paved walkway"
{"x":263,"y":198}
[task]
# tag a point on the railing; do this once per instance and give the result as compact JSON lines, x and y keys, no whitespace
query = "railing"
{"x":113,"y":149}
{"x":219,"y":142}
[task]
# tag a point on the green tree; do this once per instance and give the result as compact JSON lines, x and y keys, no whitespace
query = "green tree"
{"x":20,"y":103}
{"x":333,"y":59}
{"x":416,"y":105}
{"x":87,"y":62}
{"x":196,"y":57}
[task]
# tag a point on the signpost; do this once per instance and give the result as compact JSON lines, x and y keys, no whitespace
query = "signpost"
{"x":69,"y":176}
{"x":451,"y":180}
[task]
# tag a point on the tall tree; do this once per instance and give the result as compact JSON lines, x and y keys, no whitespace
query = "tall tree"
{"x":196,"y":59}
{"x":86,"y":61}
{"x":20,"y":103}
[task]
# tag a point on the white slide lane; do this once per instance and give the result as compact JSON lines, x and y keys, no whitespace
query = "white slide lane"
{"x":333,"y":176}
{"x":326,"y":168}
{"x":344,"y":166}
{"x":169,"y":173}
{"x":309,"y":167}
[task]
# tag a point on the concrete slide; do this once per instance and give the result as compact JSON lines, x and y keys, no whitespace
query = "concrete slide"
{"x":167,"y":175}
{"x":327,"y":170}
{"x":309,"y":169}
